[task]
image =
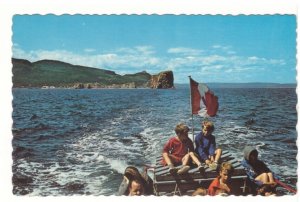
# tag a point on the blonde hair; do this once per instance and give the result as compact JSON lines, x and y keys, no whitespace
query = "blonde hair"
{"x":209,"y":125}
{"x":227,"y":166}
{"x":181,"y":128}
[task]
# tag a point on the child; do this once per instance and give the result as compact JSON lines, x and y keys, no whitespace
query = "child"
{"x":135,"y":183}
{"x":136,"y":187}
{"x":206,"y":146}
{"x":221,"y":184}
{"x":179,"y":150}
{"x":200,"y":192}
{"x":258,"y":172}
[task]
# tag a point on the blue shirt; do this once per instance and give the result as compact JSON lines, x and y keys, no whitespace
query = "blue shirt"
{"x":256,"y":170}
{"x":205,"y":146}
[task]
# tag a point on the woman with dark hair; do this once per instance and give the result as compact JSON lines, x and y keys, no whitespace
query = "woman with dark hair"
{"x":135,"y":183}
{"x":258,"y":172}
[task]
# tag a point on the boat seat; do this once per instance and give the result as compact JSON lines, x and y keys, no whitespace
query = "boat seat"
{"x":167,"y":184}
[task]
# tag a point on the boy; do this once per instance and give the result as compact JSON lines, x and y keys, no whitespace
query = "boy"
{"x":258,"y":172}
{"x":206,"y":146}
{"x":221,"y":184}
{"x":179,"y":150}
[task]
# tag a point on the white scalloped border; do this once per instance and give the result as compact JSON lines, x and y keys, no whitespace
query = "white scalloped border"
{"x":8,"y":8}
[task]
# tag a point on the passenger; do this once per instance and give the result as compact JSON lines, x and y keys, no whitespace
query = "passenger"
{"x":206,"y":146}
{"x":221,"y":185}
{"x":136,"y":187}
{"x":258,"y":172}
{"x":135,"y":183}
{"x":200,"y":192}
{"x":179,"y":150}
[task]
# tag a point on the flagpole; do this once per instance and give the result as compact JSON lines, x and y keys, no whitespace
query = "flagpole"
{"x":192,"y":110}
{"x":208,"y":99}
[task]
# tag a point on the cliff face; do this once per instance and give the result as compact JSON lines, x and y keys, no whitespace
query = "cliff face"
{"x":162,"y":80}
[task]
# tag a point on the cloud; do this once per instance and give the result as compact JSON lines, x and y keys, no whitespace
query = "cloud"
{"x":214,"y":66}
{"x":221,"y":66}
{"x":221,"y":47}
{"x":125,"y":60}
{"x":253,"y":58}
{"x":231,"y":52}
{"x":145,"y":50}
{"x":216,"y":46}
{"x":89,"y":50}
{"x":138,"y":50}
{"x":184,"y":51}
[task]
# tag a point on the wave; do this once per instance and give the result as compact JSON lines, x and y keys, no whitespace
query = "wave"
{"x":85,"y":146}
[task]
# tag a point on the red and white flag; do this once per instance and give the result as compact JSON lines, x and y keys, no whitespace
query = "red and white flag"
{"x":203,"y":100}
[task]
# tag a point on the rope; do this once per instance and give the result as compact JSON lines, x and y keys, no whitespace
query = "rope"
{"x":290,"y":189}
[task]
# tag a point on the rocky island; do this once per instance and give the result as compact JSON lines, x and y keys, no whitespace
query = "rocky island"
{"x":57,"y":74}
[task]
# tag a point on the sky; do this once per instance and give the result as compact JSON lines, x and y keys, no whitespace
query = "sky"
{"x":210,"y":48}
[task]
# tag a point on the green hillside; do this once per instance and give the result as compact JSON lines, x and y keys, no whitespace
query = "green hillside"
{"x":60,"y":74}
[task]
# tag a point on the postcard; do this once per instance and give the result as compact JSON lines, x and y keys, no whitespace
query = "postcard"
{"x":104,"y":102}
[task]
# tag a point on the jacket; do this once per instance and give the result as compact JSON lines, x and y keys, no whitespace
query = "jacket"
{"x":255,"y":170}
{"x":205,"y":146}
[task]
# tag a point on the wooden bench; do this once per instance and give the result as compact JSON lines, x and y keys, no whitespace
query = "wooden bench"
{"x":185,"y":184}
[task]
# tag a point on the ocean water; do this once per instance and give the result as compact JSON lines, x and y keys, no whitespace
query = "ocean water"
{"x":75,"y":142}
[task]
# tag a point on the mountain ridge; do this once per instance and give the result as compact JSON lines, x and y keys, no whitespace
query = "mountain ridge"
{"x":61,"y":74}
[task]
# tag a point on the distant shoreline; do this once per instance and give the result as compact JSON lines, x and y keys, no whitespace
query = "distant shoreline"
{"x":64,"y":88}
{"x":244,"y":85}
{"x":180,"y":86}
